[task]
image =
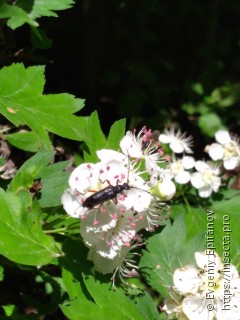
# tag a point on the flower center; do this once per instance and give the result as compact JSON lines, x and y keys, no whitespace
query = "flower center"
{"x":208,"y":176}
{"x":177,"y":167}
{"x":212,"y":283}
{"x":231,"y":149}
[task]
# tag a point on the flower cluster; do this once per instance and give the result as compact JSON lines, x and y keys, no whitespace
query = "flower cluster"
{"x":203,"y":175}
{"x":115,"y":198}
{"x":205,"y":179}
{"x":210,"y":292}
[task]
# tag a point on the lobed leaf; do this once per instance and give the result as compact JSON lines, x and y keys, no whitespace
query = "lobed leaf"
{"x":167,"y":251}
{"x":22,"y":103}
{"x":88,"y":296}
{"x":22,"y":238}
{"x":25,"y":11}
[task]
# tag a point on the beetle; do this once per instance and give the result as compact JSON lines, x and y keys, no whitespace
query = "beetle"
{"x":108,"y":193}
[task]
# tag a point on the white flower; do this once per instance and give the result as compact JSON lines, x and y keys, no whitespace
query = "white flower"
{"x":88,"y":179}
{"x":114,"y":203}
{"x":178,"y":169}
{"x":227,"y":149}
{"x":178,"y":142}
{"x":199,"y":288}
{"x":113,"y":231}
{"x":143,"y":146}
{"x":206,"y":179}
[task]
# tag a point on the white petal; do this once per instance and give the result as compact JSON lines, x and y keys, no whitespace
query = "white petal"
{"x":106,"y":155}
{"x":130,"y":147}
{"x":138,"y":197}
{"x":101,"y":219}
{"x":183,"y":177}
{"x":233,"y":272}
{"x":205,"y":192}
{"x":233,"y":313}
{"x":165,"y":138}
{"x":197,"y":180}
{"x":187,"y":280}
{"x":138,"y":200}
{"x":235,"y":285}
{"x":215,"y":183}
{"x":204,"y":260}
{"x":151,"y":166}
{"x":188,"y":162}
{"x":107,"y":251}
{"x":201,"y":166}
{"x":113,"y":172}
{"x":83,"y":177}
{"x":231,"y":163}
{"x":215,"y":151}
{"x":195,"y":308}
{"x":176,"y":147}
{"x":72,"y":204}
{"x":222,"y":136}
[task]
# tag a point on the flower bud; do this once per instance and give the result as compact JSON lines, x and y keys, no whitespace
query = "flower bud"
{"x":164,"y":189}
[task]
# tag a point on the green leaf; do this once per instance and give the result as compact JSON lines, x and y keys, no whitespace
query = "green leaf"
{"x":225,"y":96}
{"x":29,"y":170}
{"x":45,"y":7}
{"x":90,"y":297}
{"x":54,"y":182}
{"x":22,"y":103}
{"x":22,"y":239}
{"x":95,"y":138}
{"x":25,"y":11}
{"x":16,"y":15}
{"x":9,"y":309}
{"x":116,"y":133}
{"x":167,"y":251}
{"x":109,"y":303}
{"x":210,"y":123}
{"x":146,"y":306}
{"x":27,"y":141}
